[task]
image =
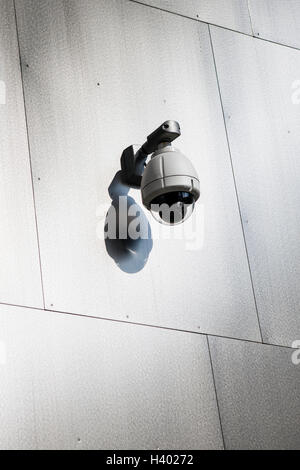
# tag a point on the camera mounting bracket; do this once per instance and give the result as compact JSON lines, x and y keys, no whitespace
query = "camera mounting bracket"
{"x":133,"y":163}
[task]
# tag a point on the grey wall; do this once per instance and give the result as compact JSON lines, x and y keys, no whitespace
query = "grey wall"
{"x":187,"y":344}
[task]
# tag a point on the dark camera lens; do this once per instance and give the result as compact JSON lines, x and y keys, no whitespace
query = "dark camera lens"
{"x":174,"y":207}
{"x":173,"y":198}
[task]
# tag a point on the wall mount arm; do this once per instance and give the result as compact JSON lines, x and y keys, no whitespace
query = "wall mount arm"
{"x":133,"y":164}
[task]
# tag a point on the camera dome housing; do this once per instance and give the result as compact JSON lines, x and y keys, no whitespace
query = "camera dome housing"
{"x":170,"y":185}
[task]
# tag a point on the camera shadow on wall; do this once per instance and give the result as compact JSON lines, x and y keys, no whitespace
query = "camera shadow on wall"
{"x":127,"y":232}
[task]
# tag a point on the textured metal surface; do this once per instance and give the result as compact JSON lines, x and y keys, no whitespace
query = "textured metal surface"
{"x":257,"y":80}
{"x":150,"y":66}
{"x":19,"y":262}
{"x":231,"y":14}
{"x":77,"y":383}
{"x":276,"y":20}
{"x":258,"y":394}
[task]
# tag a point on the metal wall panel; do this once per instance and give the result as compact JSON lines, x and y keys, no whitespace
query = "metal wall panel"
{"x":233,"y":14}
{"x":276,"y":20}
{"x":98,"y":77}
{"x":260,"y":95}
{"x":19,"y":263}
{"x":258,"y":394}
{"x":78,"y":383}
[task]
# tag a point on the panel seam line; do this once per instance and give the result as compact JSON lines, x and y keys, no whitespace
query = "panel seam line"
{"x":148,"y":325}
{"x":250,"y":17}
{"x":219,"y":26}
{"x":235,"y":183}
{"x":29,"y":154}
{"x":216,"y":393}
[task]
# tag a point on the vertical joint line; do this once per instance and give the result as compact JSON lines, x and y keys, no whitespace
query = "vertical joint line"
{"x":216,"y":393}
{"x":250,"y":17}
{"x":234,"y":182}
{"x":29,"y":153}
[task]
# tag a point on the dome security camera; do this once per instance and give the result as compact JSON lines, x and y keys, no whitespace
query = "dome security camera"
{"x":169,"y":183}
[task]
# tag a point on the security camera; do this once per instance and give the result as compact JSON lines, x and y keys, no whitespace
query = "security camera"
{"x":169,"y":183}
